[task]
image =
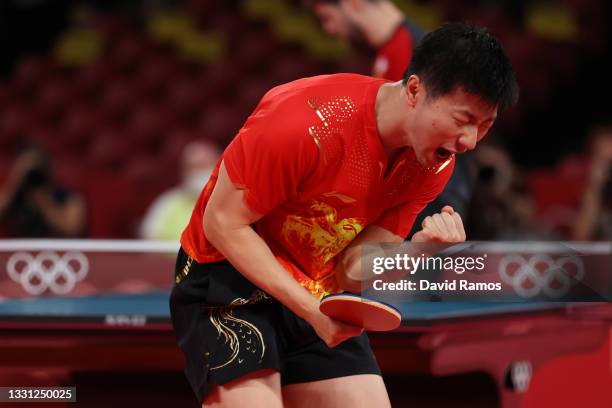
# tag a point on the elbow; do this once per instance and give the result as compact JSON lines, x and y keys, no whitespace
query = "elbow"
{"x":212,"y":224}
{"x":350,"y":265}
{"x":219,"y":226}
{"x":348,"y":276}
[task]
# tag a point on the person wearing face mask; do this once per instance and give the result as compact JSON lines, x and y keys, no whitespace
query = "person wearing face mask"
{"x":168,"y":214}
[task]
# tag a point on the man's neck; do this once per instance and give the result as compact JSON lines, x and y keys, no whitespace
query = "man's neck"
{"x":389,"y":118}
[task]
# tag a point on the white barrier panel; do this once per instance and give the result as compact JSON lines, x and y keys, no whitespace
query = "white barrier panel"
{"x":34,"y":268}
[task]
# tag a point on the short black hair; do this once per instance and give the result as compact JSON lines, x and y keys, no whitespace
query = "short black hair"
{"x":465,"y":56}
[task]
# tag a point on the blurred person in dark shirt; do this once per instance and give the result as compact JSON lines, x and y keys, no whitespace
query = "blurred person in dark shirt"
{"x":32,"y":205}
{"x":502,"y":206}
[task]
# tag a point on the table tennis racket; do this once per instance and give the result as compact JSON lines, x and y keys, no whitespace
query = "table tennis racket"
{"x":370,"y":314}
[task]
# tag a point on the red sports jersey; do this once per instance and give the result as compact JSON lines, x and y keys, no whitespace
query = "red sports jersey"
{"x":393,"y":57}
{"x":310,"y":158}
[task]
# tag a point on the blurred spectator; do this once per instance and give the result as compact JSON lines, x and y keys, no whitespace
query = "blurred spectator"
{"x":377,"y":23}
{"x":169,"y":213}
{"x":32,"y":205}
{"x":594,"y":221}
{"x":502,"y":207}
{"x":383,"y":27}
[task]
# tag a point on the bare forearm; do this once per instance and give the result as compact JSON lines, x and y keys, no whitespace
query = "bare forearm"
{"x":252,"y":257}
{"x":587,"y":218}
{"x":351,"y":273}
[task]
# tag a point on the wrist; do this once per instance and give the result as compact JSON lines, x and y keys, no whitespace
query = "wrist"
{"x":305,"y":307}
{"x":347,"y":283}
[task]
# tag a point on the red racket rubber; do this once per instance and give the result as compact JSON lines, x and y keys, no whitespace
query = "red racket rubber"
{"x":370,"y":314}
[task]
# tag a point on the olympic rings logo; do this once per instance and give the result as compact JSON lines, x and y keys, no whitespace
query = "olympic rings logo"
{"x":542,"y":273}
{"x":47,"y":270}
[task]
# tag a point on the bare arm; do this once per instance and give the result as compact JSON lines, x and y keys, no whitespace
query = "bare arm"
{"x":23,"y":164}
{"x":227,"y":225}
{"x":349,"y":268}
{"x":445,"y":226}
{"x":590,"y":208}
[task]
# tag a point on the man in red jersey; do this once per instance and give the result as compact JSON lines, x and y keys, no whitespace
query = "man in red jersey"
{"x":323,"y":165}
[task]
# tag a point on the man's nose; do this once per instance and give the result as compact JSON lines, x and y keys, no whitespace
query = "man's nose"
{"x":468,"y":140}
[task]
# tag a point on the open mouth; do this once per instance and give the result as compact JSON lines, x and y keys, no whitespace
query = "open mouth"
{"x":443,"y":154}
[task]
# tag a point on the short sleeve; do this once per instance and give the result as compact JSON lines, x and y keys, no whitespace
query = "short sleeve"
{"x":399,"y":219}
{"x":393,"y":58}
{"x":272,"y":154}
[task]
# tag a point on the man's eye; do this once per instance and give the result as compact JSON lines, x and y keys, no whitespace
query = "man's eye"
{"x":485,"y":125}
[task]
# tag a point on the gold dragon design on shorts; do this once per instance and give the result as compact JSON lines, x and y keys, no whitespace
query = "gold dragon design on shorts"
{"x":237,"y":331}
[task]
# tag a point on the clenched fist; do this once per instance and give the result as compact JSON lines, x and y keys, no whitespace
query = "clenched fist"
{"x":446,"y":226}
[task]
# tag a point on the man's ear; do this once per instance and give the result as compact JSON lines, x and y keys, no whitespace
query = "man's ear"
{"x":413,"y":89}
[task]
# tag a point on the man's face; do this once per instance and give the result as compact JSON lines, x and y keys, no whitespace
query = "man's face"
{"x":448,"y":124}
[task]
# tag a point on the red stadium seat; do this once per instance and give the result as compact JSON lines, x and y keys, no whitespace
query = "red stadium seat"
{"x":78,"y":126}
{"x":352,"y":65}
{"x":288,"y":67}
{"x":30,"y":72}
{"x":128,"y":52}
{"x":109,"y":150}
{"x":48,"y":137}
{"x":111,"y":25}
{"x":5,"y":95}
{"x":230,"y":27}
{"x":53,"y":98}
{"x":220,"y":124}
{"x":13,"y":122}
{"x":118,"y":98}
{"x":149,"y":177}
{"x":528,"y":57}
{"x":185,"y":98}
{"x":202,"y":10}
{"x":68,"y":171}
{"x":156,"y":72}
{"x":148,"y":124}
{"x":108,"y":205}
{"x":252,"y":92}
{"x":261,"y":50}
{"x":175,"y":142}
{"x":220,"y":78}
{"x":91,"y":79}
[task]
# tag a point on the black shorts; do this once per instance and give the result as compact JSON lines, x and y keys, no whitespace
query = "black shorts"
{"x":227,"y":327}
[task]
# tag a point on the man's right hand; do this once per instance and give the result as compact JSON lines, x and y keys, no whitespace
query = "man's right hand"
{"x":331,"y":331}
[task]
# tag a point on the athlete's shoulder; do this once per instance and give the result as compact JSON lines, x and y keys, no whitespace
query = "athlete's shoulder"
{"x":322,"y":84}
